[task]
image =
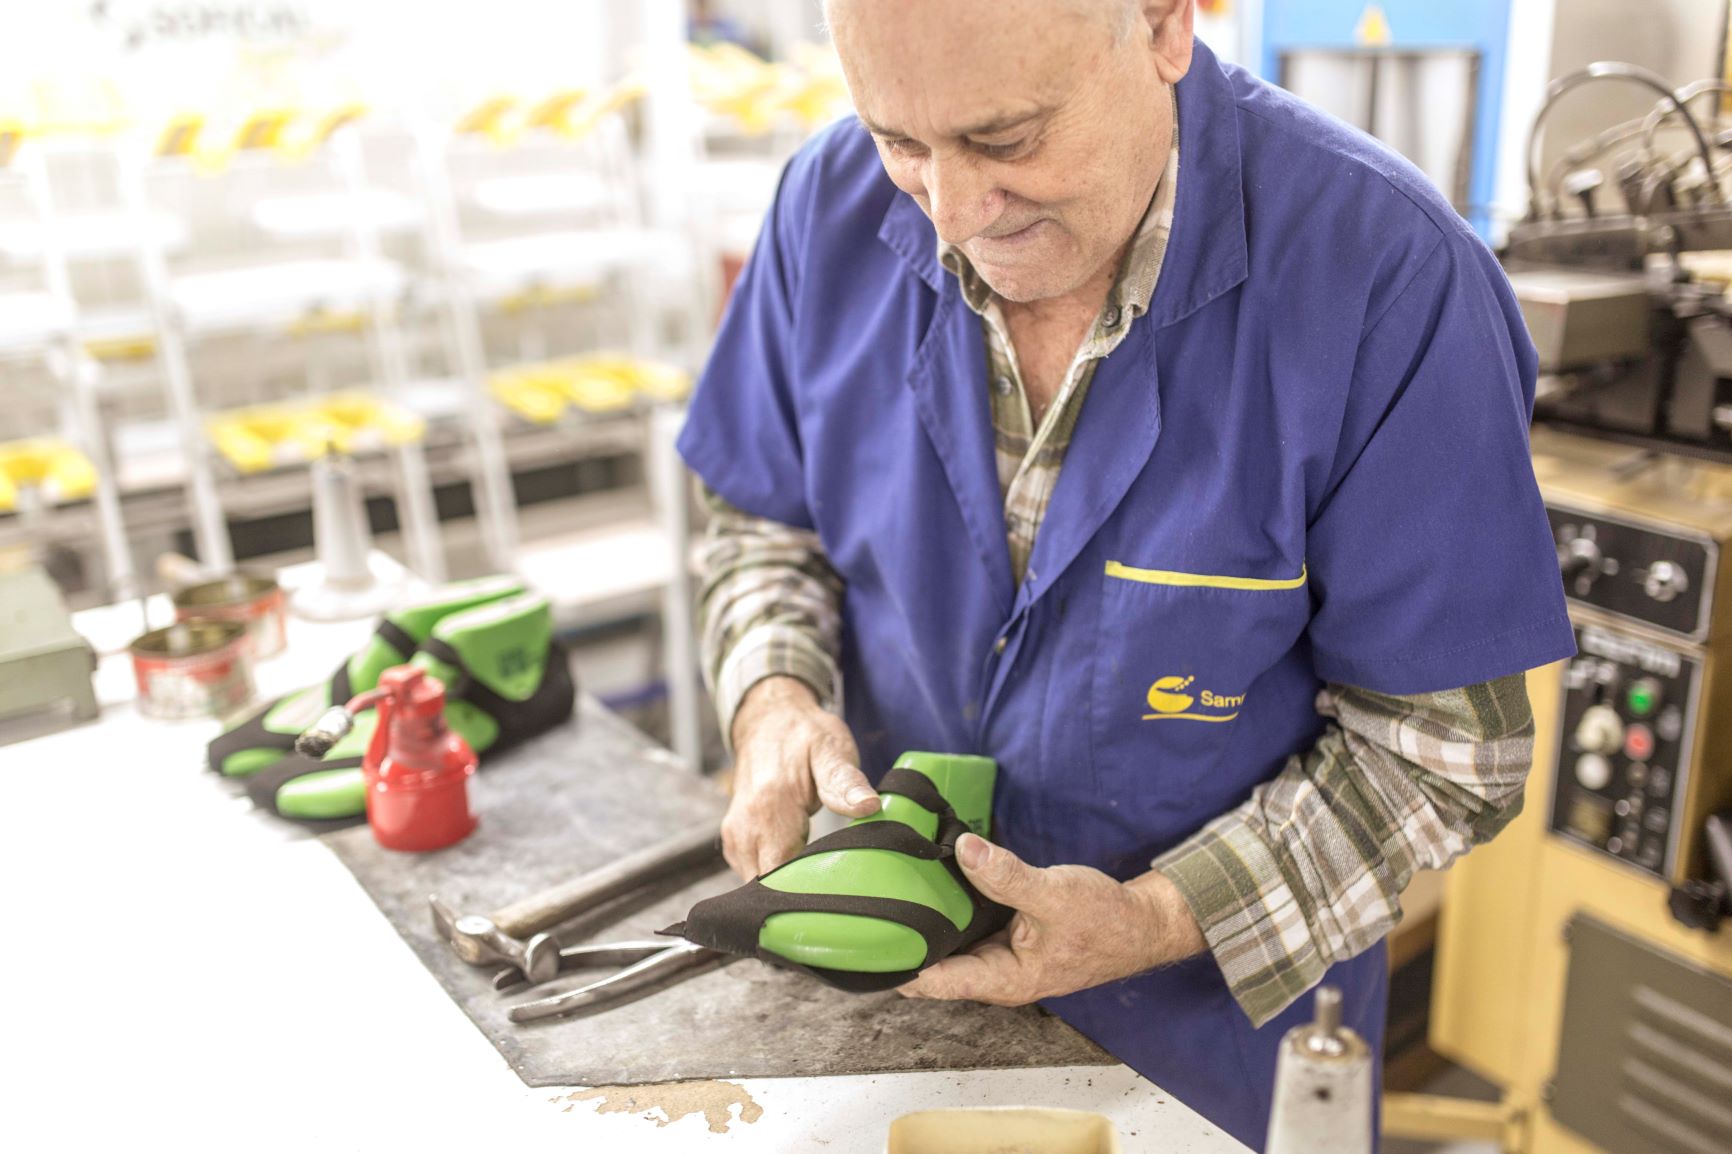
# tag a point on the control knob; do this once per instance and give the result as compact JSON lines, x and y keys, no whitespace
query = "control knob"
{"x":1600,"y":730}
{"x":1593,"y":771}
{"x":1664,"y":580}
{"x":1581,"y":562}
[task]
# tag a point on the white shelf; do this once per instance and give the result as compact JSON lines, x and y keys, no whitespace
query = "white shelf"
{"x":331,"y":214}
{"x":569,"y":259}
{"x":278,"y":295}
{"x":90,"y":236}
{"x":30,"y":321}
{"x":588,"y":572}
{"x":539,"y":194}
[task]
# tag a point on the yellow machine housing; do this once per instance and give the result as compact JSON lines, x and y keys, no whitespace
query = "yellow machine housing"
{"x":1562,"y":973}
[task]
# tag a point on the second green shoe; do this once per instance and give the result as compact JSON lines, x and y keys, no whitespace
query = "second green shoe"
{"x":507,"y":679}
{"x":267,"y":735}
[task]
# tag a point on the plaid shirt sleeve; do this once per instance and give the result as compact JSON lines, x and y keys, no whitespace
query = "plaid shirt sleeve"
{"x":1310,"y":869}
{"x":770,"y":603}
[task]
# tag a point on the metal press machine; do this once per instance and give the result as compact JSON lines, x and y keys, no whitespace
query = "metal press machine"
{"x":1585,"y":956}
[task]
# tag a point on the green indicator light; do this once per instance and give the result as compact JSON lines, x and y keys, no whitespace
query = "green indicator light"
{"x":1642,"y":699}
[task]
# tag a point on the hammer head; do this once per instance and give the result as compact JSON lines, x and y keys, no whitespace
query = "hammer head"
{"x":476,"y":940}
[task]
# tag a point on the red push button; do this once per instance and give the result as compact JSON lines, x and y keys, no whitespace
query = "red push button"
{"x":1638,"y":742}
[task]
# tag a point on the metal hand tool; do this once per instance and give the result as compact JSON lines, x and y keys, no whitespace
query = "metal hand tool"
{"x":515,"y":934}
{"x":649,"y":966}
{"x":478,"y":940}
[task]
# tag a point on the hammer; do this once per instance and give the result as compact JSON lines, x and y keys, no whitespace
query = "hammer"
{"x":516,"y":934}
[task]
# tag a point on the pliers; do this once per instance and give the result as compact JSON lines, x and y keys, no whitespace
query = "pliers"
{"x":516,"y":934}
{"x":649,"y":966}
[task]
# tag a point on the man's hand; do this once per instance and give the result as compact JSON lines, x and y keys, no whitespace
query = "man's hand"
{"x":790,"y":756}
{"x":1075,"y":927}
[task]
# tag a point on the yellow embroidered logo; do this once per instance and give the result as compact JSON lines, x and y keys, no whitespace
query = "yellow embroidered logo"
{"x":1170,"y":702}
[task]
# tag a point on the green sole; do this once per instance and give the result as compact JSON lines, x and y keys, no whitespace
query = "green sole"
{"x":324,"y":795}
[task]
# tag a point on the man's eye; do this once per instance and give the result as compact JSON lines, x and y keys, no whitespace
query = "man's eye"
{"x":902,"y":146}
{"x":999,"y":151}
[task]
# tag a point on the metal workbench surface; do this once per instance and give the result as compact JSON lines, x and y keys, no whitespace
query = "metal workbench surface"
{"x":181,"y":968}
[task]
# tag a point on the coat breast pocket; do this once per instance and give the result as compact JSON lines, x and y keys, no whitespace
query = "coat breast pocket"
{"x":1179,"y":653}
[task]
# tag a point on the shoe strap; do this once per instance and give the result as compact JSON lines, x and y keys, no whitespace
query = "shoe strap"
{"x":396,"y":637}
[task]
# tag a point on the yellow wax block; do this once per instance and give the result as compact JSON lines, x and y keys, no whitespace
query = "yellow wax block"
{"x":241,"y":446}
{"x":531,"y":400}
{"x":130,"y":348}
{"x":47,"y":463}
{"x":661,"y":382}
{"x":264,"y":129}
{"x":555,"y":111}
{"x":358,"y":413}
{"x":249,"y":438}
{"x":72,"y":474}
{"x":180,"y":136}
{"x":598,"y":391}
{"x":498,"y":118}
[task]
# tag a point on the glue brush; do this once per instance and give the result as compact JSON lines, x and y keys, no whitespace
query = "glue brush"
{"x":333,"y":726}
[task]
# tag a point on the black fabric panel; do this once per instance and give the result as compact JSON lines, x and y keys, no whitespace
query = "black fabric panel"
{"x":890,"y":835}
{"x":252,"y":734}
{"x":917,"y":788}
{"x":731,"y":921}
{"x":341,"y":687}
{"x":849,"y":981}
{"x":396,"y":637}
{"x":262,"y":787}
{"x":249,"y":734}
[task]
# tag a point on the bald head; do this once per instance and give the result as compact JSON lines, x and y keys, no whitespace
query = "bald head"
{"x":1117,"y":16}
{"x":1031,"y":131}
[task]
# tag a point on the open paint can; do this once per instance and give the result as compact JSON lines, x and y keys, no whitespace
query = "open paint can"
{"x":201,"y":667}
{"x":256,"y":602}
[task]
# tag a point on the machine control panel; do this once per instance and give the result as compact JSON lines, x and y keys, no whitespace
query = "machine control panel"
{"x":1628,"y":715}
{"x":1651,"y":575}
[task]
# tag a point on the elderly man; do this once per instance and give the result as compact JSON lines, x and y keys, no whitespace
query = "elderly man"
{"x":1092,"y":405}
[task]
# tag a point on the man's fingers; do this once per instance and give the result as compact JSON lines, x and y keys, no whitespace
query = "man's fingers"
{"x":758,"y":836}
{"x":991,"y":973}
{"x":841,"y":786}
{"x":999,"y":874}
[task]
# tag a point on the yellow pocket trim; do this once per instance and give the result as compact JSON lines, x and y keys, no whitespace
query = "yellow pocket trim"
{"x":1205,"y":580}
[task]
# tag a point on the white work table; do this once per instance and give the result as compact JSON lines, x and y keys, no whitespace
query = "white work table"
{"x":183,"y":972}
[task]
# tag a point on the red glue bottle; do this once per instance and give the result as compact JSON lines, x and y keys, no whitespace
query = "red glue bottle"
{"x":416,"y":769}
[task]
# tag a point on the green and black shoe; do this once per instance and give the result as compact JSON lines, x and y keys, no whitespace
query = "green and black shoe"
{"x":507,"y":679}
{"x":268,"y":734}
{"x":868,"y":907}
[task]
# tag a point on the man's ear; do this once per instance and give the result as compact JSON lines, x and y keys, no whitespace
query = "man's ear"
{"x":1169,"y":24}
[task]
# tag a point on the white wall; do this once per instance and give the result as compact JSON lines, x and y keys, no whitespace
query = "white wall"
{"x":168,"y":55}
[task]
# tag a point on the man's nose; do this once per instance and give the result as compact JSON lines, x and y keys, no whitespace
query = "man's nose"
{"x":961,"y":198}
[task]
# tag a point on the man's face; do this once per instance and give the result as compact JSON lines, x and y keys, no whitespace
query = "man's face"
{"x":1030,"y":131}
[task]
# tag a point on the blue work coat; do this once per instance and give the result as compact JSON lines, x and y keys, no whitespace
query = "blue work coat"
{"x":1307,"y":463}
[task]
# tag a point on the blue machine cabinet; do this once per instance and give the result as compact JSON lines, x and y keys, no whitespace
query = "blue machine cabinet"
{"x":1481,"y":26}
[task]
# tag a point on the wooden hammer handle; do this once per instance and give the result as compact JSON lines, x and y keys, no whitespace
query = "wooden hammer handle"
{"x":544,"y":910}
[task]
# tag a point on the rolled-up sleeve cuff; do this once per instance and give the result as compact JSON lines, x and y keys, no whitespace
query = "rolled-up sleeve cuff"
{"x":772,"y":651}
{"x":1255,"y":927}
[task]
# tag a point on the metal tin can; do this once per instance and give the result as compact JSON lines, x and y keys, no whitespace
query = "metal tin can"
{"x":200,"y":667}
{"x":257,"y":602}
